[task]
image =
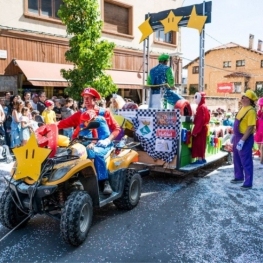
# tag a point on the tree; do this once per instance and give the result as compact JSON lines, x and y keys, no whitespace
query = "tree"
{"x":89,"y":54}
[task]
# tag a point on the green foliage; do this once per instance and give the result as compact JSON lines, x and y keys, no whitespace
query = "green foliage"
{"x":90,"y":55}
{"x":192,"y":90}
{"x":259,"y":93}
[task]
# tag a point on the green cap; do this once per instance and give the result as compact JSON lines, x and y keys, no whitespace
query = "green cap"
{"x":163,"y":57}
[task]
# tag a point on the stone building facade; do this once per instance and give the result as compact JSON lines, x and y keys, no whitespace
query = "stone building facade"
{"x":229,"y":70}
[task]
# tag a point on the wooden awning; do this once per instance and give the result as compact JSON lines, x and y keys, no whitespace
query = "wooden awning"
{"x":42,"y":73}
{"x":48,"y":74}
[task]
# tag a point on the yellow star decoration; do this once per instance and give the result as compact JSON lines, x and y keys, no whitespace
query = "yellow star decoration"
{"x":196,"y":21}
{"x":29,"y":159}
{"x":146,"y":29}
{"x":170,"y":23}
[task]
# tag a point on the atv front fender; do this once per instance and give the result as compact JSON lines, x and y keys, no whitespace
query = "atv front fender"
{"x":64,"y":171}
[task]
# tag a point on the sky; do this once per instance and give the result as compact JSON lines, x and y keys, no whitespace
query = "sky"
{"x":232,"y":21}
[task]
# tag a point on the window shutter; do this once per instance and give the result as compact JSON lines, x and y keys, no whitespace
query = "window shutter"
{"x":116,"y":18}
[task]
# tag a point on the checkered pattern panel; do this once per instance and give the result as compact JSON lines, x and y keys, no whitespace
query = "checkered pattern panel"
{"x":149,"y":144}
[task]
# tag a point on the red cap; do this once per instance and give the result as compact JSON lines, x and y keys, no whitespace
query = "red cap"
{"x":92,"y":92}
{"x":88,"y":115}
{"x":49,"y":103}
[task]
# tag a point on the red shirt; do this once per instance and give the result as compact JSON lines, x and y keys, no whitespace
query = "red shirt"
{"x":74,"y":121}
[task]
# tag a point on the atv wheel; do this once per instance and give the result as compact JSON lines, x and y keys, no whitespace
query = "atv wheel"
{"x":76,"y":218}
{"x":132,"y":191}
{"x":10,"y":214}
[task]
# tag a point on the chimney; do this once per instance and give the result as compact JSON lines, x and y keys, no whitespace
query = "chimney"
{"x":251,"y":41}
{"x":260,"y":45}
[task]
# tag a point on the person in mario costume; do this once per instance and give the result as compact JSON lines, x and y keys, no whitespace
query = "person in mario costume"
{"x":199,"y":133}
{"x":104,"y":145}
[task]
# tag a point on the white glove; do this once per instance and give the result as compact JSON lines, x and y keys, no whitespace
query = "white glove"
{"x":232,"y":138}
{"x":104,"y":143}
{"x":240,"y":145}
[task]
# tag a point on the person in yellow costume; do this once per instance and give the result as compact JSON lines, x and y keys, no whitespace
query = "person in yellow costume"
{"x":243,"y":140}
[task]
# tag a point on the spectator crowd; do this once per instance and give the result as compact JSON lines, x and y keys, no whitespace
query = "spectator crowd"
{"x":20,"y":116}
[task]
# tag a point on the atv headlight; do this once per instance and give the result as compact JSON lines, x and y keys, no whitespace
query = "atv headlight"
{"x":59,"y":173}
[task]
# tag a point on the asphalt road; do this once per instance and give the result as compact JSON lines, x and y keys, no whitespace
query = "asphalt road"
{"x":192,"y":219}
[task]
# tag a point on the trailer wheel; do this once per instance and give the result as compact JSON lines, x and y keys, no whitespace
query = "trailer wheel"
{"x":76,"y":218}
{"x":132,"y":191}
{"x":10,"y":214}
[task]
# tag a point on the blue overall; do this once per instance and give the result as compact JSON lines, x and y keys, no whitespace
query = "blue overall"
{"x":98,"y":152}
{"x":243,"y":161}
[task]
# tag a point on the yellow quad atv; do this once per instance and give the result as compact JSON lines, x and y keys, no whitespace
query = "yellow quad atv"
{"x":65,"y":186}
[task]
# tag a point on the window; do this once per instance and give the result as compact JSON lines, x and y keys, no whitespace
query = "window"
{"x":237,"y":87}
{"x":43,"y":8}
{"x":195,"y":70}
{"x":169,"y":37}
{"x":259,"y":85}
{"x":240,"y":63}
{"x":261,"y":63}
{"x":227,"y":64}
{"x":117,"y":18}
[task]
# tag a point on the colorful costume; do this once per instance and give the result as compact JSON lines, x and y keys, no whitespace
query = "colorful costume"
{"x":102,"y":132}
{"x":161,"y":74}
{"x":243,"y":161}
{"x":199,"y":133}
{"x":243,"y":140}
{"x":107,"y":123}
{"x":259,"y":126}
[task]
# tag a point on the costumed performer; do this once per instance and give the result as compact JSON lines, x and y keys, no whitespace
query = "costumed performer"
{"x":259,"y":131}
{"x":90,"y":95}
{"x":160,"y":74}
{"x":199,"y":133}
{"x":243,"y":140}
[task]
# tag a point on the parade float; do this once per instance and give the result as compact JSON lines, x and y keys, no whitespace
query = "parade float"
{"x":164,"y":126}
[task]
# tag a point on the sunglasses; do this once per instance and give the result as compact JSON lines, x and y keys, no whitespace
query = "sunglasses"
{"x":243,"y":97}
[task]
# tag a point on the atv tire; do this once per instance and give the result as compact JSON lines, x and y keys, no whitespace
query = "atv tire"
{"x":132,"y":191}
{"x":76,"y":218}
{"x":10,"y":214}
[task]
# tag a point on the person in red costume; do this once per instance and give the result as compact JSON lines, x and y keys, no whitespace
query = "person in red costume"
{"x":199,"y":133}
{"x":104,"y":145}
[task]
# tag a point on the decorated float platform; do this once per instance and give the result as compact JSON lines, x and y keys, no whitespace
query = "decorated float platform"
{"x":165,"y":138}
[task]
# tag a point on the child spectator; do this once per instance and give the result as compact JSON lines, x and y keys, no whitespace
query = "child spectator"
{"x":48,"y":114}
{"x":24,"y":134}
{"x":34,"y":123}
